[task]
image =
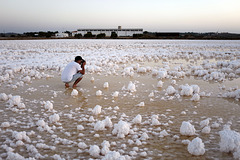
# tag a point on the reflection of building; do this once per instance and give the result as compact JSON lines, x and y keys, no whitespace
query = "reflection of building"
{"x":119,"y":31}
{"x":61,"y":35}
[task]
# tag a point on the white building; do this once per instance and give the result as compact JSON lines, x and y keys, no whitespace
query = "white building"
{"x":120,"y":32}
{"x":61,"y":35}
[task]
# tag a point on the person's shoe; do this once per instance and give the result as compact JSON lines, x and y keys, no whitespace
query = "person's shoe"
{"x":74,"y":86}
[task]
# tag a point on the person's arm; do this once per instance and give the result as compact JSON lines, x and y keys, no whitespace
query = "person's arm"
{"x":83,"y":68}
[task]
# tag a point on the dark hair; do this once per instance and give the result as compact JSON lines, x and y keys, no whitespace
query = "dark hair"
{"x":77,"y":58}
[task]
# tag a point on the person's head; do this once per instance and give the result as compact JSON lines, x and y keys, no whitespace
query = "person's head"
{"x":78,"y":59}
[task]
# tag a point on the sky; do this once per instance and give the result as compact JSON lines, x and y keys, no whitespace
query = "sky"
{"x":151,"y":15}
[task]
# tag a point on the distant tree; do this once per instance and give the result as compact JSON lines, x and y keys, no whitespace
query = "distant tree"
{"x":88,"y":35}
{"x":101,"y":35}
{"x":114,"y":35}
{"x":78,"y":35}
{"x":137,"y":35}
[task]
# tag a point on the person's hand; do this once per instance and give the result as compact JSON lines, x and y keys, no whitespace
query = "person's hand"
{"x":84,"y":63}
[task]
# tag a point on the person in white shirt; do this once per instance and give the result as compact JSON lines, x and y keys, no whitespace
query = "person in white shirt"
{"x":74,"y":72}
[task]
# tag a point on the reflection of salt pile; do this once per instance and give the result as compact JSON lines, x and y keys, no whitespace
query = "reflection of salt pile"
{"x":187,"y":129}
{"x":230,"y":141}
{"x":196,"y":147}
{"x":121,"y":129}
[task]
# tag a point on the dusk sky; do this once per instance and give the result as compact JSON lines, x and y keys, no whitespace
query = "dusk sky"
{"x":151,"y":15}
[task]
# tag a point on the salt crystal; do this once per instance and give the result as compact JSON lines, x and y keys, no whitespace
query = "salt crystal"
{"x":74,"y":92}
{"x":196,"y":147}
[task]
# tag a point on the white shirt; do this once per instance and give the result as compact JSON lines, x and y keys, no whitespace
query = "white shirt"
{"x":68,"y":72}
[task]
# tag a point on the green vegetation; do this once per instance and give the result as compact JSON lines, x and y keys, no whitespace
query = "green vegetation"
{"x":101,"y":36}
{"x":114,"y":35}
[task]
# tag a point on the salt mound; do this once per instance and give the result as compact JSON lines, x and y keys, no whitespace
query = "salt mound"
{"x":131,"y":87}
{"x":98,"y":93}
{"x":137,"y":119}
{"x":15,"y":100}
{"x":80,"y":127}
{"x":108,"y":122}
{"x":186,"y":90}
{"x":82,"y":145}
{"x":97,"y":110}
{"x":151,"y":95}
{"x":54,"y":118}
{"x":112,"y":155}
{"x":206,"y":129}
{"x":94,"y":151}
{"x":26,"y":79}
{"x":187,"y":129}
{"x":162,"y":73}
{"x":100,"y":125}
{"x":106,"y":85}
{"x":196,"y":147}
{"x":92,"y":79}
{"x":115,"y":94}
{"x":5,"y":124}
{"x":170,"y":90}
{"x":41,"y":123}
{"x":48,"y":105}
{"x":121,"y":129}
{"x":232,"y":94}
{"x":230,"y":140}
{"x":3,"y":97}
{"x":159,"y":84}
{"x":204,"y":123}
{"x":141,"y":104}
{"x":74,"y":92}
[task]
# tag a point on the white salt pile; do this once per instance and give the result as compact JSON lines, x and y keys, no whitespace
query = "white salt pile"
{"x":230,"y":141}
{"x":121,"y":129}
{"x":94,"y":151}
{"x":5,"y":124}
{"x":141,"y":104}
{"x":98,"y":93}
{"x":48,"y":105}
{"x":54,"y":118}
{"x":97,"y":110}
{"x":131,"y":87}
{"x":106,"y":85}
{"x":159,"y":84}
{"x":3,"y":97}
{"x":137,"y":119}
{"x":170,"y":90}
{"x":115,"y":94}
{"x":74,"y":92}
{"x":196,"y":147}
{"x":187,"y":129}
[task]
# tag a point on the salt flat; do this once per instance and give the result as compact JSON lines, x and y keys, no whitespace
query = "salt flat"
{"x":139,"y":99}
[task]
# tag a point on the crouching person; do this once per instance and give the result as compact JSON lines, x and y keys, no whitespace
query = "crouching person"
{"x":74,"y":72}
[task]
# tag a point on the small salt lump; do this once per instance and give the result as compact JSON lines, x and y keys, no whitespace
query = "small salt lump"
{"x":97,"y":110}
{"x":74,"y":92}
{"x":196,"y":147}
{"x":141,"y":104}
{"x":54,"y":118}
{"x":98,"y":93}
{"x":137,"y":119}
{"x":94,"y":151}
{"x":131,"y":87}
{"x":5,"y":124}
{"x":48,"y":105}
{"x":115,"y":94}
{"x":3,"y":97}
{"x":170,"y":90}
{"x":187,"y":129}
{"x":159,"y":84}
{"x":121,"y":129}
{"x":106,"y":85}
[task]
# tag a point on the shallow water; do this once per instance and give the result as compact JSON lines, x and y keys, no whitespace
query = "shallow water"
{"x":77,"y":112}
